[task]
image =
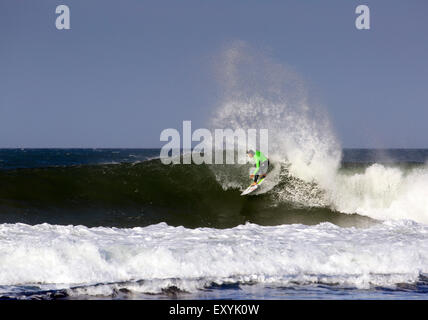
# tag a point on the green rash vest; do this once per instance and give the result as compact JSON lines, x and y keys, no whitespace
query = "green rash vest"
{"x":259,"y":157}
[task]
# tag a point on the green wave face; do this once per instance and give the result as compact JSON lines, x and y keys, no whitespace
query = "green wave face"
{"x":136,"y":195}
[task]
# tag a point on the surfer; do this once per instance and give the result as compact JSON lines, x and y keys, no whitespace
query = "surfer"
{"x":262,"y":165}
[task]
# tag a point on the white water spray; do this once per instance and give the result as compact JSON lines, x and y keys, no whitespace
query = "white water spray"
{"x":259,"y":93}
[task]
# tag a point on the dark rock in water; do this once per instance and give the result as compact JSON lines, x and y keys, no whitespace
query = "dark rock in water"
{"x":172,"y":291}
{"x":121,"y":293}
{"x":59,"y":294}
{"x":124,"y":290}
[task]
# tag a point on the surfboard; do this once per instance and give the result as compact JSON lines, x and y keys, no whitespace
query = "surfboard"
{"x":252,"y":188}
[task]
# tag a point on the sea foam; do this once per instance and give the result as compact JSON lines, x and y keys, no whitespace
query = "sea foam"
{"x":157,"y":257}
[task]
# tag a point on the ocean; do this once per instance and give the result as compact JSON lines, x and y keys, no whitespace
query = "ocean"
{"x":119,"y":224}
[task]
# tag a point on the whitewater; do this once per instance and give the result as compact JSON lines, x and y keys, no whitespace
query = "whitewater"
{"x":78,"y":259}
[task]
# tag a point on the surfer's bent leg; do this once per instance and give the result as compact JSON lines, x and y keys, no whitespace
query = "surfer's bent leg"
{"x":264,"y":166}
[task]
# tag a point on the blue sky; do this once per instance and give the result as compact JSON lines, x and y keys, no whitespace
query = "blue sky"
{"x":129,"y":69}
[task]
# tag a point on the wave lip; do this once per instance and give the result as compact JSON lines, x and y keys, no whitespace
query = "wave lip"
{"x":159,"y":256}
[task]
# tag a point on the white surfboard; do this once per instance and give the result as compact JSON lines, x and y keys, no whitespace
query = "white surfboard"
{"x":252,"y":188}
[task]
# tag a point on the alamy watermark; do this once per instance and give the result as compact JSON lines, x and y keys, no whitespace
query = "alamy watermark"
{"x":62,"y":21}
{"x":219,"y":146}
{"x":362,"y":22}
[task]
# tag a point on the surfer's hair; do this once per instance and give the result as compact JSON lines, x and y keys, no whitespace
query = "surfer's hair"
{"x":250,"y":152}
